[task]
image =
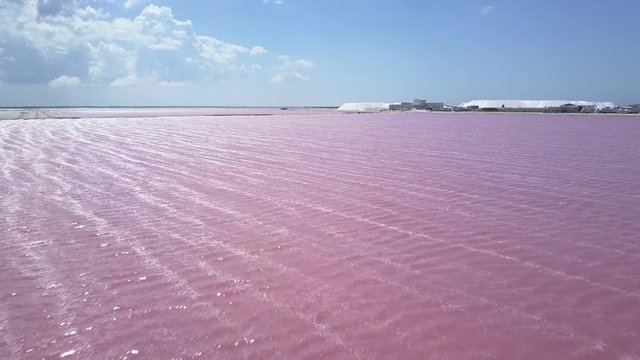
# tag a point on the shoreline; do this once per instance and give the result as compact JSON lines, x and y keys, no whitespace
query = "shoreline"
{"x":156,"y":112}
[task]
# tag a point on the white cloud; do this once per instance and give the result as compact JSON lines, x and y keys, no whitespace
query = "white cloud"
{"x":274,"y":2}
{"x":6,"y":58}
{"x":304,"y":63}
{"x":130,"y":4}
{"x":286,"y":76}
{"x":80,"y":40}
{"x":279,"y":77}
{"x":289,"y":63}
{"x":163,"y":30}
{"x":129,"y":80}
{"x":290,"y":69}
{"x":218,"y":51}
{"x":257,"y":50}
{"x":487,"y":10}
{"x":61,"y":37}
{"x":175,"y":84}
{"x":65,"y":81}
{"x":110,"y":61}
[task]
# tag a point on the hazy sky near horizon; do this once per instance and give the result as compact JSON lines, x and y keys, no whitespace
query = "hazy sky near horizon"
{"x":315,"y":52}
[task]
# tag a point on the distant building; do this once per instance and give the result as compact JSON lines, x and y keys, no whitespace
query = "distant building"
{"x":405,"y":106}
{"x":570,"y":108}
{"x":558,"y":106}
{"x":418,"y":104}
{"x":435,"y":106}
{"x":631,"y":109}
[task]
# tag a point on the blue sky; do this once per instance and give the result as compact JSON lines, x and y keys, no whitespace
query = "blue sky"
{"x":315,"y":52}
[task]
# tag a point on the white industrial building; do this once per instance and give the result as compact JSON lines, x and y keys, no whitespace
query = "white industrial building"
{"x":537,"y":105}
{"x":417,"y":104}
{"x":486,"y":105}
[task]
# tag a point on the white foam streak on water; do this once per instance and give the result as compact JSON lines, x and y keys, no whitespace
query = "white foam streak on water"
{"x":30,"y":259}
{"x":9,"y":345}
{"x":241,"y":219}
{"x":253,"y":222}
{"x":152,"y":202}
{"x":330,"y":236}
{"x":492,"y":253}
{"x":543,"y":269}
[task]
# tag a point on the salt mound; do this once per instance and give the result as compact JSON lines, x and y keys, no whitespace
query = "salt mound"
{"x":364,"y":107}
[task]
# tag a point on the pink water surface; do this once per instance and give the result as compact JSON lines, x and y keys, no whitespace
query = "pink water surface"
{"x":321,"y":236}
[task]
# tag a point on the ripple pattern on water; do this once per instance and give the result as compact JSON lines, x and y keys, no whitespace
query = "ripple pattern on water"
{"x":319,"y":235}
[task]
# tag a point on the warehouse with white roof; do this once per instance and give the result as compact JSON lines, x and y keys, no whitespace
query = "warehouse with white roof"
{"x":538,"y":105}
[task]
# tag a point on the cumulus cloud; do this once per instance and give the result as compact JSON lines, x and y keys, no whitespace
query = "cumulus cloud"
{"x":109,"y":61}
{"x":49,"y":39}
{"x":54,"y":7}
{"x":290,"y":69}
{"x":218,"y":51}
{"x":274,"y":2}
{"x":257,"y":50}
{"x":487,"y":10}
{"x":65,"y":81}
{"x":129,"y":80}
{"x":130,"y":4}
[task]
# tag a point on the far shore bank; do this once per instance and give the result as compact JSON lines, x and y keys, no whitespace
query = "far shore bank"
{"x":157,"y":112}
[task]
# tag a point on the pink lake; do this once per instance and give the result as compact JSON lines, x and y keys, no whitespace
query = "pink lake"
{"x":317,"y":235}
